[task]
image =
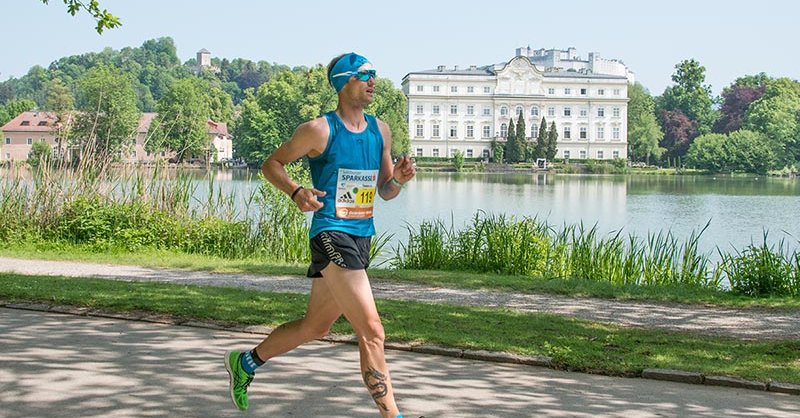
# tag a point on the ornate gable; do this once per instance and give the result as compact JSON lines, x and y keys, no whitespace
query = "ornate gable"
{"x":519,"y":78}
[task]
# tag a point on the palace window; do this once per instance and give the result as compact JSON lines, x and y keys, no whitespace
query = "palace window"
{"x":504,"y":130}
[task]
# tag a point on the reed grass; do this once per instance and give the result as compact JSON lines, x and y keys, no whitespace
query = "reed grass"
{"x":532,"y":247}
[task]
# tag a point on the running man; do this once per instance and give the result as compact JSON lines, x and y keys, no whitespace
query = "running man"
{"x":350,"y":161}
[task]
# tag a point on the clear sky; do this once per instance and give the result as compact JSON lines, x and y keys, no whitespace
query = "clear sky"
{"x":730,"y":38}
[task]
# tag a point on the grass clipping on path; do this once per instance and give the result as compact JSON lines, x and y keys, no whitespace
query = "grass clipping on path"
{"x":573,"y":344}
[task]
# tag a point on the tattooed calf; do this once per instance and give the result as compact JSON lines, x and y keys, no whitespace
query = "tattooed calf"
{"x":376,"y":383}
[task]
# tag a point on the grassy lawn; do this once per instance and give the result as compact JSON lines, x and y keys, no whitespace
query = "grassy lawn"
{"x":574,"y":344}
{"x":463,"y":280}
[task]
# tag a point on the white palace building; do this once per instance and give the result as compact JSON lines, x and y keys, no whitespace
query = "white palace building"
{"x":468,"y":108}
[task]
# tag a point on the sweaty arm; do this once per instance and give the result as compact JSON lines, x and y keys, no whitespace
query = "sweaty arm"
{"x":310,"y":139}
{"x":392,"y":177}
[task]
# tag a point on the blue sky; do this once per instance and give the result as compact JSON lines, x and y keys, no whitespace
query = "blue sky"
{"x":730,"y":38}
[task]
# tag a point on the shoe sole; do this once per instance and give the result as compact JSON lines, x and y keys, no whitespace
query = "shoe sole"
{"x":230,"y":378}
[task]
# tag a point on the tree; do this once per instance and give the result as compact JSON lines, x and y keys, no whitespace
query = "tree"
{"x":540,"y":151}
{"x":679,"y":131}
{"x":690,"y":95}
{"x":458,"y":160}
{"x":736,"y":99}
{"x":108,"y":117}
{"x":512,"y":149}
{"x":644,"y":132}
{"x":59,"y":97}
{"x":39,"y":154}
{"x":105,"y":20}
{"x":741,"y":150}
{"x":521,"y":142}
{"x":13,"y":108}
{"x":776,"y":115}
{"x":497,"y":151}
{"x":181,"y":125}
{"x":552,"y":143}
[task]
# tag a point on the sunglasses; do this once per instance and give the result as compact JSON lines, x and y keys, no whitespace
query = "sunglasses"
{"x":363,"y":75}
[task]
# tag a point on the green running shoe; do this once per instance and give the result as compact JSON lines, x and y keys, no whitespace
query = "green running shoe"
{"x":240,"y":379}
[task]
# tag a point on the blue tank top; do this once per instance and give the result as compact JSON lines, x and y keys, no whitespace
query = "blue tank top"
{"x":348,"y":172}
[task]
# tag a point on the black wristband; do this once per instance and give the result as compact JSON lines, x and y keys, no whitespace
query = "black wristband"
{"x":294,"y":193}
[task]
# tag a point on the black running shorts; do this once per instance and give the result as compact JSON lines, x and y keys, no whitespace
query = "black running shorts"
{"x":345,"y":250}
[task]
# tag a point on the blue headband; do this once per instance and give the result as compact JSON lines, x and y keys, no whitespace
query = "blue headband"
{"x":344,"y":68}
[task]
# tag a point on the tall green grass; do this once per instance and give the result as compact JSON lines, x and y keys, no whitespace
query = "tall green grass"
{"x":127,"y":208}
{"x":531,"y":247}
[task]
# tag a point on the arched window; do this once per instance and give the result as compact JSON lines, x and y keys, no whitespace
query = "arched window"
{"x":503,"y":111}
{"x":519,"y":111}
{"x":534,"y":111}
{"x":504,"y":130}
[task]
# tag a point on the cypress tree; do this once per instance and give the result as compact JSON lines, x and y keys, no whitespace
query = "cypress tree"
{"x":541,"y":141}
{"x":552,"y":140}
{"x":512,"y":150}
{"x":521,"y":142}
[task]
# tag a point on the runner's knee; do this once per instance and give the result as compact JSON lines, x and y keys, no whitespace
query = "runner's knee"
{"x":372,"y":333}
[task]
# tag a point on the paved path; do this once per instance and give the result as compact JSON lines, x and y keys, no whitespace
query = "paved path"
{"x":741,"y":323}
{"x":54,"y":366}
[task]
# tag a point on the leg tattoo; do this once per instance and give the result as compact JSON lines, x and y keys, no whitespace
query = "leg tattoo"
{"x":376,"y":383}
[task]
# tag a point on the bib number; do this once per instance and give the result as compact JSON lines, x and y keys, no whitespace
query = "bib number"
{"x":355,"y":193}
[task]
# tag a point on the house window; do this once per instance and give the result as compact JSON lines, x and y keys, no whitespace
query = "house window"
{"x":8,"y":141}
{"x":453,"y":131}
{"x":615,"y":132}
{"x":601,"y":112}
{"x":486,"y":153}
{"x":470,"y":131}
{"x":567,"y":111}
{"x":582,"y":133}
{"x":453,"y":109}
{"x":600,"y":132}
{"x":601,"y":92}
{"x":8,"y":156}
{"x":535,"y":111}
{"x":435,"y":109}
{"x":615,"y":154}
{"x":30,"y":141}
{"x":599,"y":154}
{"x":487,"y":111}
{"x":615,"y":112}
{"x":453,"y":89}
{"x":487,"y":131}
{"x":566,"y":154}
{"x":25,"y":123}
{"x":616,"y":92}
{"x":419,"y":130}
{"x":567,"y":133}
{"x":534,"y":130}
{"x":469,"y":152}
{"x":487,"y":90}
{"x":420,"y":88}
{"x":420,"y":109}
{"x":419,"y":152}
{"x":584,"y":112}
{"x":435,"y":131}
{"x":470,"y":89}
{"x":519,"y":110}
{"x":551,"y":91}
{"x":435,"y":89}
{"x":551,"y":111}
{"x":504,"y":130}
{"x":470,"y":110}
{"x":567,"y":91}
{"x":452,"y":152}
{"x":436,"y":152}
{"x":583,"y":92}
{"x":503,"y":111}
{"x":583,"y":154}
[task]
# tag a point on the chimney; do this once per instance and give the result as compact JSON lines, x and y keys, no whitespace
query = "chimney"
{"x":440,"y":68}
{"x":455,"y":68}
{"x":473,"y":67}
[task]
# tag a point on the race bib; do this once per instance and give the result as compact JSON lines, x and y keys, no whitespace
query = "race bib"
{"x":355,"y":193}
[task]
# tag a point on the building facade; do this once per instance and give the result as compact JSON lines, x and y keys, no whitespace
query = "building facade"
{"x":20,"y":133}
{"x":467,"y":109}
